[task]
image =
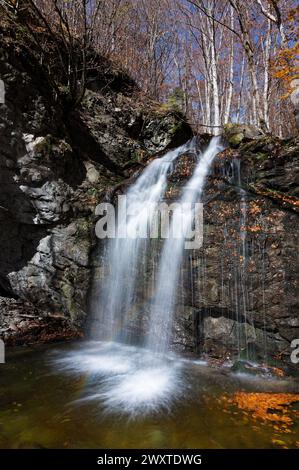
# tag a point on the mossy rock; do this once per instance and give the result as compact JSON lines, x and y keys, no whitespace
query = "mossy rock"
{"x":44,"y":146}
{"x":84,"y":227}
{"x":68,"y":293}
{"x":236,"y":139}
{"x":235,"y":134}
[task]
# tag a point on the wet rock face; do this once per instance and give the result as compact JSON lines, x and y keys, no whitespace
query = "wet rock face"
{"x":242,"y":284}
{"x":237,"y":294}
{"x":55,"y":167}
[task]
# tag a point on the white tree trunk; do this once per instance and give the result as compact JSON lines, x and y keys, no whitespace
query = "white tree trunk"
{"x":241,"y":89}
{"x":226,"y":114}
{"x":267,"y":49}
{"x":214,"y":76}
{"x":248,"y":46}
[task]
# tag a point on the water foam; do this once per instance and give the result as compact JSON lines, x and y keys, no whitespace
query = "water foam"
{"x":124,"y":379}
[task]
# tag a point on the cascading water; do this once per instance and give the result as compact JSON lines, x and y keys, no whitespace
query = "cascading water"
{"x":124,"y":377}
{"x":241,"y":277}
{"x":124,"y":254}
{"x":165,"y":297}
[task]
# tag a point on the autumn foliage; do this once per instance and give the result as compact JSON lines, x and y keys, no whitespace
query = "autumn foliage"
{"x":279,"y":410}
{"x":215,"y":61}
{"x":286,"y":64}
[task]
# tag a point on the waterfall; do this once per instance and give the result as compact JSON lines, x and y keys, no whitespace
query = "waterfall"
{"x":164,"y":300}
{"x":124,"y":255}
{"x":125,"y":377}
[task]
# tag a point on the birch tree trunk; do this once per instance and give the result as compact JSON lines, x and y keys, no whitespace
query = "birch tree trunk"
{"x":267,"y":49}
{"x":249,"y":51}
{"x":265,"y":6}
{"x":214,"y":74}
{"x":241,"y":89}
{"x":206,"y":46}
{"x":226,"y":114}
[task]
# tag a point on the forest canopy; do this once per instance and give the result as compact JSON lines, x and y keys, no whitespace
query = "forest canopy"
{"x":217,"y":61}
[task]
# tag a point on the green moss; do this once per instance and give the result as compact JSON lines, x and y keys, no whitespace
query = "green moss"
{"x":136,"y":156}
{"x":68,"y":293}
{"x":44,"y":146}
{"x":83,"y":228}
{"x":93,"y":191}
{"x":261,"y":156}
{"x":178,"y":126}
{"x":235,"y":139}
{"x":248,"y":147}
{"x":253,"y":156}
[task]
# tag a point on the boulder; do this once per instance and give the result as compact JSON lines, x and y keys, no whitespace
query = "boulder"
{"x":235,"y":134}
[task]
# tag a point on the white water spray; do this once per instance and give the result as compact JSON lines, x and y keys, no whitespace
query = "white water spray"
{"x":172,"y":254}
{"x":117,"y":295}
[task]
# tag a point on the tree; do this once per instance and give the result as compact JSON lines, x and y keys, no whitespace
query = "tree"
{"x":68,"y":27}
{"x":230,"y":59}
{"x":286,"y":66}
{"x":275,"y":17}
